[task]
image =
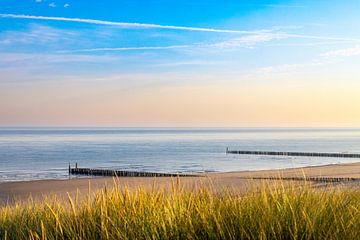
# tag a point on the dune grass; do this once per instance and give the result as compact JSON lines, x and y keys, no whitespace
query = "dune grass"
{"x":271,"y":212}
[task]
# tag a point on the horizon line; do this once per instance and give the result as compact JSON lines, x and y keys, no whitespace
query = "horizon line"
{"x":181,"y":127}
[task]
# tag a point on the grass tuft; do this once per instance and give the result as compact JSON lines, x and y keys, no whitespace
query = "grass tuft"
{"x":273,"y":212}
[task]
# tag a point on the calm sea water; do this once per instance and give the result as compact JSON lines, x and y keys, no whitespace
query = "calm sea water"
{"x":44,"y":153}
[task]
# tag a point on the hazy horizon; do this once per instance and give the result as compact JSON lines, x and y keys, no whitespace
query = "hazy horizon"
{"x":162,"y":63}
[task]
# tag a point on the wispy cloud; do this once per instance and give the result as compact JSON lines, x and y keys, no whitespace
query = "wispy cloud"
{"x":245,"y":41}
{"x":347,"y":52}
{"x":295,"y":67}
{"x":66,"y":5}
{"x":284,"y":6}
{"x":52,"y":4}
{"x":41,"y":59}
{"x":249,"y":40}
{"x":191,"y":63}
{"x":36,"y":34}
{"x":133,"y":79}
{"x":314,"y":37}
{"x":307,"y":44}
{"x":126,"y":24}
{"x":291,"y":68}
{"x":129,"y":48}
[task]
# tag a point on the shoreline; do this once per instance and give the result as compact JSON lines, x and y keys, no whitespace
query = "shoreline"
{"x":204,"y":173}
{"x":330,"y":165}
{"x":11,"y":192}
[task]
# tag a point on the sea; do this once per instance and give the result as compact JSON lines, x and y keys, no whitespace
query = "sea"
{"x":45,"y":153}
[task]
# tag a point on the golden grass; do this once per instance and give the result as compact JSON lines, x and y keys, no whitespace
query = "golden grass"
{"x":273,"y":212}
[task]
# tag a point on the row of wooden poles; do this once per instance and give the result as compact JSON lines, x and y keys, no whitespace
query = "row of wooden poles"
{"x":111,"y":172}
{"x":310,"y":179}
{"x":300,"y":154}
{"x":108,"y":172}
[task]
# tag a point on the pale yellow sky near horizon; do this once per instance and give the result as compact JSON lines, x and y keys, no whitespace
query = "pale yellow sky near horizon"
{"x":317,"y":104}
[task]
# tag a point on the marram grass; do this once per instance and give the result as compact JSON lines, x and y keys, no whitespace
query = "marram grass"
{"x":271,"y":213}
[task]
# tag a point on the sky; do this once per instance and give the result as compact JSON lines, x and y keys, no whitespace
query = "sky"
{"x":158,"y":63}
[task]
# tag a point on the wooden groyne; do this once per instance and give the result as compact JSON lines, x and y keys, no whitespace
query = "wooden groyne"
{"x":309,"y":179}
{"x":119,"y":173}
{"x":299,"y":154}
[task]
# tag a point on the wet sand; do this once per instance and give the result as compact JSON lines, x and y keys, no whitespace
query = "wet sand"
{"x":238,"y":181}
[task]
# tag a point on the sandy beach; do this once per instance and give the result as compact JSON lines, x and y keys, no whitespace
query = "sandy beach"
{"x":11,"y":192}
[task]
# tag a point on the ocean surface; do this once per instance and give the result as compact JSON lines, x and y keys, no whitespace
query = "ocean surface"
{"x":44,"y":153}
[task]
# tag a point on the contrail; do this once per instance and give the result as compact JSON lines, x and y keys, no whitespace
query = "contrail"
{"x":321,"y":37}
{"x":127,"y":24}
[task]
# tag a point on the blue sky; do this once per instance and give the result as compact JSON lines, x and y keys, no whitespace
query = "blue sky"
{"x":70,"y":54}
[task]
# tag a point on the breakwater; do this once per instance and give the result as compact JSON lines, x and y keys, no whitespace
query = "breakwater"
{"x":309,"y":179}
{"x":299,"y":154}
{"x":120,"y":173}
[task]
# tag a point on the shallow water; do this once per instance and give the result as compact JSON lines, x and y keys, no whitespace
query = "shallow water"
{"x":44,"y":153}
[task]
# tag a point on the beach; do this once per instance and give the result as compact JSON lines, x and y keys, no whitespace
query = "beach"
{"x":11,"y":192}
